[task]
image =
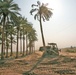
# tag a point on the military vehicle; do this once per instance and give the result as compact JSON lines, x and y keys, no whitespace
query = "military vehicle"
{"x":51,"y":49}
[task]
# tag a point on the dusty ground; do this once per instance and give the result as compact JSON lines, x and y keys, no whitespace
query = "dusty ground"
{"x":64,"y":64}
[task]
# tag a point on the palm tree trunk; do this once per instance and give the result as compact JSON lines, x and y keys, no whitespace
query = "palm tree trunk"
{"x":6,"y":43}
{"x":34,"y":46}
{"x":2,"y":51}
{"x":7,"y":51}
{"x":17,"y":44}
{"x":26,"y":46}
{"x":30,"y":47}
{"x":20,"y":45}
{"x":23,"y":43}
{"x":11,"y":46}
{"x":42,"y":32}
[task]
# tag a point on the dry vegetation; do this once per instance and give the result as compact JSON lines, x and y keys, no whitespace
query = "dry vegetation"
{"x":64,"y":64}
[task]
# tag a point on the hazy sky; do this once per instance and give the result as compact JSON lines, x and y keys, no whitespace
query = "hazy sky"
{"x":62,"y":25}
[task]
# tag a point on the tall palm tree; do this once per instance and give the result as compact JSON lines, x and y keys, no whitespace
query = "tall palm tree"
{"x":11,"y":33}
{"x":24,"y":25}
{"x":34,"y":38}
{"x":6,"y":40}
{"x":22,"y":32}
{"x":7,"y":8}
{"x":17,"y":28}
{"x":42,"y":13}
{"x":17,"y":42}
{"x":20,"y":41}
{"x":28,"y":30}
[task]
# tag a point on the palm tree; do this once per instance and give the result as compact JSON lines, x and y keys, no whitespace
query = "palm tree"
{"x":7,"y":8}
{"x":42,"y":13}
{"x":17,"y":28}
{"x":17,"y":42}
{"x":11,"y":33}
{"x":28,"y":30}
{"x":22,"y":33}
{"x":25,"y":29}
{"x":24,"y":26}
{"x":6,"y":40}
{"x":32,"y":36}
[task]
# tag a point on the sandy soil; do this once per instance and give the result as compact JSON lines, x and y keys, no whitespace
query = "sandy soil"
{"x":64,"y":64}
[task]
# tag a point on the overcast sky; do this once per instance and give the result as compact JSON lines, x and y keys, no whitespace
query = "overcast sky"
{"x":61,"y":28}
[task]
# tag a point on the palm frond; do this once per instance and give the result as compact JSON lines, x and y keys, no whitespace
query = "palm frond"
{"x":10,"y":1}
{"x":36,"y":15}
{"x":43,"y":18}
{"x":38,"y":2}
{"x":33,"y":10}
{"x":17,"y":13}
{"x":33,"y":5}
{"x":14,"y":7}
{"x":42,"y":9}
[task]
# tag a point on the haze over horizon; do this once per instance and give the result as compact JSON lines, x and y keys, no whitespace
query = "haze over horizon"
{"x":61,"y":28}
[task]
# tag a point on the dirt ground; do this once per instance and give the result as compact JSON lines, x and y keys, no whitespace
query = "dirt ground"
{"x":64,"y":64}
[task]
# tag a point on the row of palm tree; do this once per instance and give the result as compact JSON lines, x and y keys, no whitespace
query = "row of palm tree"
{"x":14,"y":27}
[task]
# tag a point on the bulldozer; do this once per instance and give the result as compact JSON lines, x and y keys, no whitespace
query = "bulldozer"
{"x":54,"y":48}
{"x":51,"y":49}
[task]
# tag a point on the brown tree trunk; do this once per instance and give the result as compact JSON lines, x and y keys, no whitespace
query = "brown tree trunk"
{"x":43,"y":40}
{"x":17,"y":43}
{"x":2,"y":51}
{"x":23,"y":43}
{"x":11,"y":45}
{"x":26,"y":45}
{"x":20,"y":43}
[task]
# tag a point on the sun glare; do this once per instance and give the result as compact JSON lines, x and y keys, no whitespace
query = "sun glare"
{"x":55,"y":5}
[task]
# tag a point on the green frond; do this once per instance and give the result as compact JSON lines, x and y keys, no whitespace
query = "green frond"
{"x":10,"y":1}
{"x":17,"y":13}
{"x":50,"y":13}
{"x":14,"y":7}
{"x":33,"y":10}
{"x":43,"y":18}
{"x":42,"y":9}
{"x":38,"y":2}
{"x":8,"y":7}
{"x":36,"y":16}
{"x":34,"y":5}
